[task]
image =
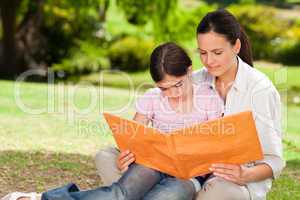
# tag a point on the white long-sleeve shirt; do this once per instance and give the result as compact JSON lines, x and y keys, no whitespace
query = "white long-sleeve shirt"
{"x":252,"y":90}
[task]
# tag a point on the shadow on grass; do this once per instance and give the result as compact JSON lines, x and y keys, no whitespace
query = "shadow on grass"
{"x":39,"y":171}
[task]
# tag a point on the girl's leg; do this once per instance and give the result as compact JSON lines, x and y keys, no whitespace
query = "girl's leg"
{"x":172,"y":189}
{"x":133,"y":185}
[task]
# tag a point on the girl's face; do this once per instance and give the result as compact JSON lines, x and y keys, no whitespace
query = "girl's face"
{"x":216,"y":53}
{"x":175,"y":87}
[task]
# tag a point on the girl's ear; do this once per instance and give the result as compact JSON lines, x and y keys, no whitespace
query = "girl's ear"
{"x":237,"y":46}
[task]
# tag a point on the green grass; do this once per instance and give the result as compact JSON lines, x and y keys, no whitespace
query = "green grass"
{"x":62,"y":127}
{"x":287,"y":187}
{"x":40,"y":151}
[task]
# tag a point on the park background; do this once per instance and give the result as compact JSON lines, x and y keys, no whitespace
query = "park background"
{"x":64,"y":62}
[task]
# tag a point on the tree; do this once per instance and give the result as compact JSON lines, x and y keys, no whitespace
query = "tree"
{"x":40,"y":32}
{"x":8,"y":12}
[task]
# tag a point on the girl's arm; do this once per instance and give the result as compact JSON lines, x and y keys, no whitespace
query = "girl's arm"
{"x":126,"y":157}
{"x":140,"y":118}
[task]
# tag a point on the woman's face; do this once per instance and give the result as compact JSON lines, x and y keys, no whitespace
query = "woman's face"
{"x":175,"y":87}
{"x":216,"y":53}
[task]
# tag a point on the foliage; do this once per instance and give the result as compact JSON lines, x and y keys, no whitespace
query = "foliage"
{"x":67,"y":21}
{"x":156,"y":12}
{"x":289,"y":49}
{"x":182,"y":24}
{"x":229,"y":2}
{"x":262,"y":26}
{"x":288,"y":52}
{"x":85,"y":58}
{"x":64,"y":22}
{"x":131,"y":54}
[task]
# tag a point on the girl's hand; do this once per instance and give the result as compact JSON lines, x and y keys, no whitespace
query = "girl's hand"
{"x":124,"y":160}
{"x":235,"y":173}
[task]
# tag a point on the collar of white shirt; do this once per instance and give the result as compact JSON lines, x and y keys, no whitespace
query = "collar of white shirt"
{"x":240,"y":83}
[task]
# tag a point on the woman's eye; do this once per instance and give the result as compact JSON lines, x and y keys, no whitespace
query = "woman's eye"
{"x":178,"y":85}
{"x":163,"y":89}
{"x":218,"y":53}
{"x":202,"y":53}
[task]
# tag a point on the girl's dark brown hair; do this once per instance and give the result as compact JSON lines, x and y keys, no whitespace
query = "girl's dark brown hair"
{"x":224,"y":23}
{"x":168,"y":58}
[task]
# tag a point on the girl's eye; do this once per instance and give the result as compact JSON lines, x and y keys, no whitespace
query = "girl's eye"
{"x":218,"y":53}
{"x":202,"y":53}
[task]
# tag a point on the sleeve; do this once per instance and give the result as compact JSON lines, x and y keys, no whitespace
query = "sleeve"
{"x":266,"y":107}
{"x":145,"y":103}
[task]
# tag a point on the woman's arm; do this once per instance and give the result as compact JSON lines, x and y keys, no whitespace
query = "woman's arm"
{"x":266,"y":109}
{"x":242,"y":175}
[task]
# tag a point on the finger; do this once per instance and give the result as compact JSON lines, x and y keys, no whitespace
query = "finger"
{"x":124,"y":169}
{"x":126,"y":164}
{"x":225,"y":166}
{"x":223,"y":171}
{"x":125,"y":159}
{"x":124,"y":153}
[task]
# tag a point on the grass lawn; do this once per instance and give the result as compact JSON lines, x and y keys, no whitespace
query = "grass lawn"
{"x":41,"y":151}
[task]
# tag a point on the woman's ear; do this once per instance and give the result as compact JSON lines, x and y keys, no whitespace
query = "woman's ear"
{"x":237,"y":46}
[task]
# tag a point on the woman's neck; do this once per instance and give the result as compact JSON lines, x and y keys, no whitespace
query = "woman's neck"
{"x":225,"y":81}
{"x":229,"y":76}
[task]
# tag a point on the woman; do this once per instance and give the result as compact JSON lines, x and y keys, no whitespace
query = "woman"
{"x":228,"y":68}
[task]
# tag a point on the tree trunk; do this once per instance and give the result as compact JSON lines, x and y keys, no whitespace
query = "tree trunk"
{"x":21,"y":43}
{"x":28,"y":36}
{"x":8,"y":64}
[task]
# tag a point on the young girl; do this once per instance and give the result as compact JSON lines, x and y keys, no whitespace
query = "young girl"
{"x":175,"y":103}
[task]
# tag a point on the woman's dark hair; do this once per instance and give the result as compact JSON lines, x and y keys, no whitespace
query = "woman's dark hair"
{"x":168,"y":58}
{"x":224,"y":23}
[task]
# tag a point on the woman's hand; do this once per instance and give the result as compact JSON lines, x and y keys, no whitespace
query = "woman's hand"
{"x":235,"y":173}
{"x":124,"y":160}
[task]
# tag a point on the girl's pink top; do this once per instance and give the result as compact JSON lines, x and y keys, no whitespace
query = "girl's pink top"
{"x":206,"y":105}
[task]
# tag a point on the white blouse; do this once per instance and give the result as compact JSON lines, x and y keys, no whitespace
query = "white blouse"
{"x":252,"y":90}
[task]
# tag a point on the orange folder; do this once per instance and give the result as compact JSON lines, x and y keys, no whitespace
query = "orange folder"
{"x":189,"y":152}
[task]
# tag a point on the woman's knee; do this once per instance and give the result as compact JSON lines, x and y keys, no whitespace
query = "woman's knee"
{"x":218,"y":188}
